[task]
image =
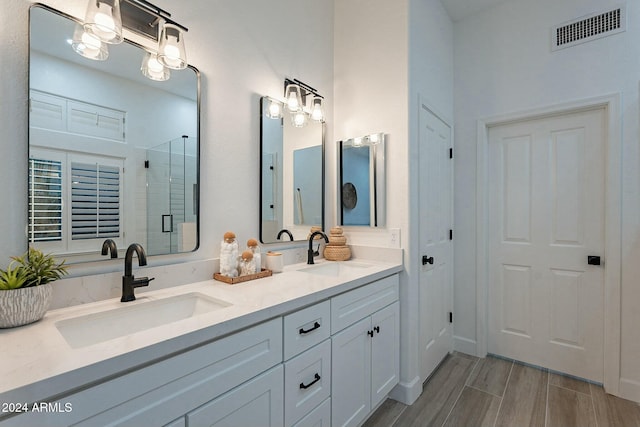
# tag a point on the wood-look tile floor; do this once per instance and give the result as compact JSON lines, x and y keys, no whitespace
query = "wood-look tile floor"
{"x":466,"y":391}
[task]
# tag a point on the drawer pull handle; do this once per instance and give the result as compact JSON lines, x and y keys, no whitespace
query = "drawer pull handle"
{"x":377,"y":329}
{"x":316,"y":325}
{"x":317,"y":378}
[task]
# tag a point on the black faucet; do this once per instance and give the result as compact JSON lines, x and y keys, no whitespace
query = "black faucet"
{"x":311,"y":253}
{"x":285,"y":231}
{"x":109,"y":246}
{"x":128,"y":281}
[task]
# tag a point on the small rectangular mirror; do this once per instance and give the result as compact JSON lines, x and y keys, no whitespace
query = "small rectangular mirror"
{"x":291,"y":177}
{"x":362,"y":182}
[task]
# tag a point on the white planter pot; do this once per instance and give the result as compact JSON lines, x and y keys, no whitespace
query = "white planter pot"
{"x":24,"y":305}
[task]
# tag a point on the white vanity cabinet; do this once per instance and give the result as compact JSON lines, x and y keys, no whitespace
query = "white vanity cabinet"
{"x":365,"y":350}
{"x":163,"y":392}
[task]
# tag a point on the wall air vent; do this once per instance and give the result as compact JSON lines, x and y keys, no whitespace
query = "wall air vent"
{"x":587,"y":28}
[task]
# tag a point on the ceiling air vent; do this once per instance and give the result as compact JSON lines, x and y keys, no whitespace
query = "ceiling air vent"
{"x":587,"y":28}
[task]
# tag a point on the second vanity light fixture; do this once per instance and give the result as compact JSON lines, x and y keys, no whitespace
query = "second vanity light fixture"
{"x":297,"y":95}
{"x":103,"y":25}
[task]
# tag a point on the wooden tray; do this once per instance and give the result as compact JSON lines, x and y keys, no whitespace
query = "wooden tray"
{"x":233,"y":280}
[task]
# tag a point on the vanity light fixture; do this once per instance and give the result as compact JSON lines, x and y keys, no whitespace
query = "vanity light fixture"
{"x":104,"y":21}
{"x":296,"y":94}
{"x":88,"y":45}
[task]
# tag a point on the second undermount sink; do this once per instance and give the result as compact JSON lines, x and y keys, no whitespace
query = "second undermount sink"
{"x":99,"y":327}
{"x":336,"y":268}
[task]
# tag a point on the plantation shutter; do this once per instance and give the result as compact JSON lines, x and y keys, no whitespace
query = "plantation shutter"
{"x":45,"y":200}
{"x":95,"y":201}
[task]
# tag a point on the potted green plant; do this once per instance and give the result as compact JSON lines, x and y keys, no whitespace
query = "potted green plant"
{"x":25,"y":287}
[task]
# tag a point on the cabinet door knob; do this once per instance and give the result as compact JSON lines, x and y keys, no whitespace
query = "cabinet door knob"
{"x":302,"y":331}
{"x":306,"y":386}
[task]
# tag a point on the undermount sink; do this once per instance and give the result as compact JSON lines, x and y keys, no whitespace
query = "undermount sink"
{"x":336,"y":268}
{"x":99,"y":327}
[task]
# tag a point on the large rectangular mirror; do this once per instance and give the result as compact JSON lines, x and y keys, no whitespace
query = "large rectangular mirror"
{"x":292,"y":177}
{"x":362,"y":196}
{"x":112,"y":154}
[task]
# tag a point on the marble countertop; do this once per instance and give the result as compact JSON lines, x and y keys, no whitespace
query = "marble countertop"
{"x":38,"y":364}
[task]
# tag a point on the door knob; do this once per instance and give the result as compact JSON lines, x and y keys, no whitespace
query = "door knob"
{"x":593,"y":260}
{"x":427,"y":260}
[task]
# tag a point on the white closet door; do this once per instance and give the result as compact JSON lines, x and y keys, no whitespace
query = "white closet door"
{"x":546,"y":217}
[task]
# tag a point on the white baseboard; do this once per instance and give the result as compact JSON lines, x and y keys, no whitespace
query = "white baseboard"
{"x":465,"y":345}
{"x":407,"y":393}
{"x":629,"y":389}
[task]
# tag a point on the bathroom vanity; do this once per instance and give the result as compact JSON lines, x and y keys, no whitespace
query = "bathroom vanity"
{"x":314,"y":344}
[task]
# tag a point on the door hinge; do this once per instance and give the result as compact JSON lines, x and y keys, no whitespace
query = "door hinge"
{"x":450,"y":234}
{"x":451,"y":153}
{"x":451,"y":317}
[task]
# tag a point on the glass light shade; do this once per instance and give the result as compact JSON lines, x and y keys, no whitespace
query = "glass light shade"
{"x":274,"y":109}
{"x":88,"y":45}
{"x":293,"y":95}
{"x":153,"y":69}
{"x":171,"y":52}
{"x":103,"y":20}
{"x":317,"y":111}
{"x":299,"y":119}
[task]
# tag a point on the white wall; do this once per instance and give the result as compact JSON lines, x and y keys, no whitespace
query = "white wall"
{"x":386,"y":53}
{"x":503,"y":64}
{"x":243,"y":50}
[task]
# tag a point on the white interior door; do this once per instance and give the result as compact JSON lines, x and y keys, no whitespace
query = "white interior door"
{"x":436,"y":278}
{"x":546,"y":217}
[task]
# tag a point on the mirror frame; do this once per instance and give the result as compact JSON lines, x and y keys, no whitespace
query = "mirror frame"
{"x":90,"y":257}
{"x":323,"y":189}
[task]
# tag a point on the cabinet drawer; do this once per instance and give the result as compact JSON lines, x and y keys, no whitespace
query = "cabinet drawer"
{"x":319,"y":417}
{"x":348,"y":308}
{"x":307,"y":381}
{"x":257,"y":403}
{"x":306,"y":328}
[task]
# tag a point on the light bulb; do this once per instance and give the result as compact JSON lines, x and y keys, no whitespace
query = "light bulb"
{"x":292,"y":102}
{"x":274,"y":110}
{"x":90,"y":41}
{"x":105,"y":25}
{"x":172,"y":52}
{"x":374,"y":138}
{"x":103,"y":20}
{"x":153,"y":68}
{"x":317,"y":113}
{"x":299,"y":119}
{"x":357,"y":142}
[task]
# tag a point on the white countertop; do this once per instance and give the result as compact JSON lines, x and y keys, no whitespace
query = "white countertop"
{"x":36,"y":362}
